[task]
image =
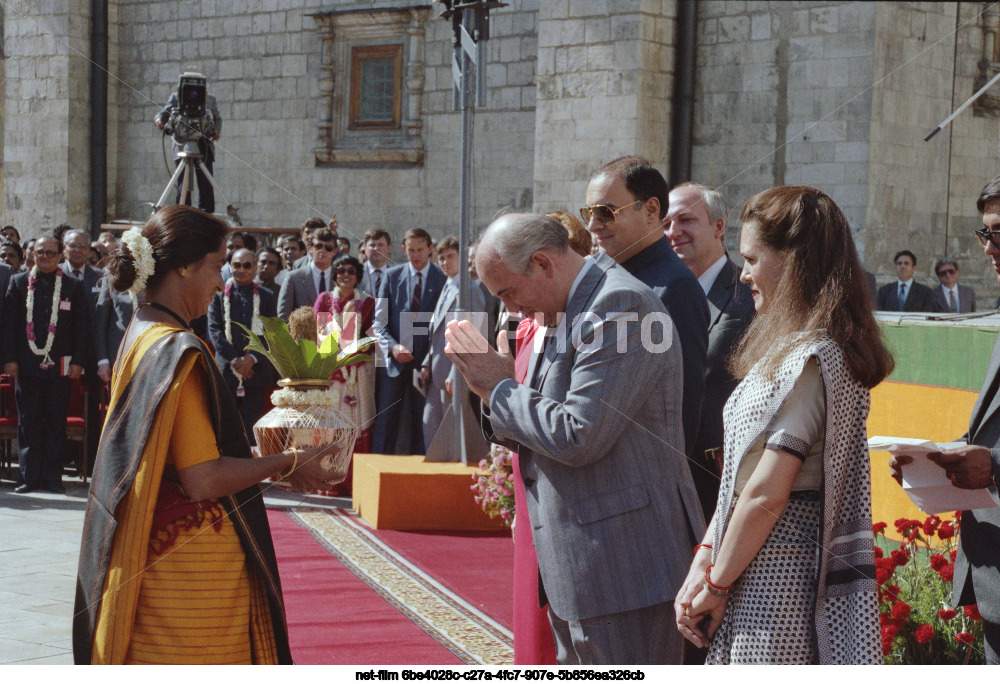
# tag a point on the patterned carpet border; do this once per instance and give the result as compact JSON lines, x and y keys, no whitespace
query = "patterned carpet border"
{"x":467,"y":632}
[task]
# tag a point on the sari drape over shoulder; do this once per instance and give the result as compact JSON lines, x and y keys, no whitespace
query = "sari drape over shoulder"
{"x":119,"y":568}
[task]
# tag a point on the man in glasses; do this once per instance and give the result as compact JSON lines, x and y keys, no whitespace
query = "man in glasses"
{"x":303,"y":285}
{"x":308,"y":228}
{"x":402,"y":312}
{"x":949,"y":296}
{"x":906,"y":294}
{"x":626,"y":203}
{"x":977,"y":465}
{"x":248,"y":374}
{"x":44,"y":380}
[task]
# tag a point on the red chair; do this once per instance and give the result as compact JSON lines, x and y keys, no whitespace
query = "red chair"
{"x":76,"y":425}
{"x":8,"y":425}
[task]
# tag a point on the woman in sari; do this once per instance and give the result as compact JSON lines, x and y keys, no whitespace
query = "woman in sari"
{"x":177,"y":564}
{"x":785,"y":573}
{"x":353,"y":311}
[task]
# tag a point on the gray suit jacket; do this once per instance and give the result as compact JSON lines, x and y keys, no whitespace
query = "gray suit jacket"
{"x":299,"y":289}
{"x":966,"y":299}
{"x":977,"y":566}
{"x":610,"y":498}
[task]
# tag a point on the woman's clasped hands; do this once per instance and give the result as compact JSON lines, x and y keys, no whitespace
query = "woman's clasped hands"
{"x":699,"y":612}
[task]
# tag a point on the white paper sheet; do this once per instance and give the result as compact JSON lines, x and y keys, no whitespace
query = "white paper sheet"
{"x":925,"y":482}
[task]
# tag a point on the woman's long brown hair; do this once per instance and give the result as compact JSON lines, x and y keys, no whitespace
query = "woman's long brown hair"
{"x":823,"y":286}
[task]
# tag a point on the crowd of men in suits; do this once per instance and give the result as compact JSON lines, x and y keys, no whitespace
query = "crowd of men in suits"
{"x":907,"y":295}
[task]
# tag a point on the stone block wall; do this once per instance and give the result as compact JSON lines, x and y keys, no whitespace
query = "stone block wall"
{"x":782,"y":99}
{"x":47,"y":116}
{"x":605,"y":74}
{"x":263,"y":61}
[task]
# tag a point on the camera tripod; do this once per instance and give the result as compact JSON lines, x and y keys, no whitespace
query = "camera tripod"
{"x":191,"y":162}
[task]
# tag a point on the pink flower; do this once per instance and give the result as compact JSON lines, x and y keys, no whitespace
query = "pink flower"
{"x":52,"y":329}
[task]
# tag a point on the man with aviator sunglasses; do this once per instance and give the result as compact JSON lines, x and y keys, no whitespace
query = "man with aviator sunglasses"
{"x":303,"y":285}
{"x":627,"y":199}
{"x":949,"y":296}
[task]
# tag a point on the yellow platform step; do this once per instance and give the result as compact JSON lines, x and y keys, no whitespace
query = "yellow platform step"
{"x":405,"y":493}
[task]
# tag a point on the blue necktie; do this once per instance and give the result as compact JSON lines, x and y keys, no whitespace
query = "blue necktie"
{"x":902,"y":295}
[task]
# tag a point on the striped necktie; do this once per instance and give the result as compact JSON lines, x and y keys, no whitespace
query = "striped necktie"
{"x":418,"y":290}
{"x":953,"y":302}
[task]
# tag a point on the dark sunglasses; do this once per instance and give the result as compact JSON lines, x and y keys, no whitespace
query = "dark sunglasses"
{"x":242,"y":264}
{"x":989,"y":236}
{"x":325,"y":245}
{"x":347,"y":270}
{"x":46,"y":253}
{"x":603,"y":213}
{"x":946,"y":271}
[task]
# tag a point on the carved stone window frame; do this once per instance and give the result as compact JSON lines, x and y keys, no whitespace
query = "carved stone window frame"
{"x":338,"y":142}
{"x":988,"y":104}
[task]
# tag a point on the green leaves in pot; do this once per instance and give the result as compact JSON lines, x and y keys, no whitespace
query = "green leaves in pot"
{"x":303,"y":359}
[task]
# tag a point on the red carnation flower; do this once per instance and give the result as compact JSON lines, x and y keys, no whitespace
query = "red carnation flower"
{"x":879,"y":527}
{"x":901,"y":610}
{"x":900,"y":558}
{"x":951,"y":556}
{"x":878,"y":552}
{"x":938,"y":562}
{"x":946,"y":531}
{"x":963,"y":638}
{"x":885,"y":619}
{"x":972,"y":612}
{"x":901,"y":524}
{"x":947,"y":614}
{"x":886,"y":646}
{"x":889,"y":632}
{"x":882,"y":575}
{"x":947,"y":573}
{"x":924,"y":634}
{"x":892,"y":592}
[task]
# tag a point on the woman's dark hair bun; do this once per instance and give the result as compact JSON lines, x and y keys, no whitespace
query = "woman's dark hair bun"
{"x":121,"y":267}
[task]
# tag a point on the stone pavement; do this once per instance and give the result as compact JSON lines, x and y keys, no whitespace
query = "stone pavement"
{"x":39,"y":551}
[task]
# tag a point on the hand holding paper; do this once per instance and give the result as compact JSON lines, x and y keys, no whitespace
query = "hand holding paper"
{"x":923,"y":467}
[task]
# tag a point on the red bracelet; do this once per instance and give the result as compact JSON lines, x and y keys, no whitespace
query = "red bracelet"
{"x":702,"y":546}
{"x":713,"y":585}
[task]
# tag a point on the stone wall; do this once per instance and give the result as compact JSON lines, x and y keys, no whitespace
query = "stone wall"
{"x":263,"y":61}
{"x":781,"y":99}
{"x":605,"y":74}
{"x":47,"y":116}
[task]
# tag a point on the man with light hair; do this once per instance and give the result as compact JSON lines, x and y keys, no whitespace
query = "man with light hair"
{"x":695,"y":224}
{"x":597,"y":427}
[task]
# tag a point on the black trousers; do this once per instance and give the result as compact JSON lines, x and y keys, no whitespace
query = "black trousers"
{"x":206,"y":193}
{"x":42,"y":404}
{"x":251,"y":408}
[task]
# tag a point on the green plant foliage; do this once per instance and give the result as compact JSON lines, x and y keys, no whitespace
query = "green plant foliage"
{"x":302,"y":359}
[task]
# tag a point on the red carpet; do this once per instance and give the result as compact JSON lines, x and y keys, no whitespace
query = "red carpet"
{"x":336,"y":617}
{"x":478,"y":566}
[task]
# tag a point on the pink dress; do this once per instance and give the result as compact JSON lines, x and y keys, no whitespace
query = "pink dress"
{"x":533,"y":642}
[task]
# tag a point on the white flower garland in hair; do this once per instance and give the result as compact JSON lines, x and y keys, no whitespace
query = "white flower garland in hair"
{"x":142,"y":253}
{"x":53,"y":317}
{"x":316,"y":397}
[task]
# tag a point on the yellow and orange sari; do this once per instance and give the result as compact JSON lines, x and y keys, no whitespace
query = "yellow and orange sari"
{"x":180,"y":581}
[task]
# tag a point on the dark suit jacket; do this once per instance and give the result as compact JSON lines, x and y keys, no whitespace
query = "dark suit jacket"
{"x":977,"y":567}
{"x":241,"y":309}
{"x":368,"y":281}
{"x":659,"y":268}
{"x":919,"y":298}
{"x":91,"y":284}
{"x":389,"y":327}
{"x":73,"y":333}
{"x":114,"y":313}
{"x":966,"y":299}
{"x":5,"y":274}
{"x":730,"y":305}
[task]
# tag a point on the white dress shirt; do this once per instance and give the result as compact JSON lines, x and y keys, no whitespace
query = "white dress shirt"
{"x":707,"y":279}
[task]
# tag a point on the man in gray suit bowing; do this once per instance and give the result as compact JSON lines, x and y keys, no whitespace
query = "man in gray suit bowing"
{"x":598,"y":428}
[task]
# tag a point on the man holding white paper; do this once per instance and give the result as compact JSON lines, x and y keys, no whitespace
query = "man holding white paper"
{"x":977,"y":465}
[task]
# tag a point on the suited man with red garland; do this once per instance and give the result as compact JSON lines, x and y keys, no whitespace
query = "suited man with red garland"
{"x":44,"y":357}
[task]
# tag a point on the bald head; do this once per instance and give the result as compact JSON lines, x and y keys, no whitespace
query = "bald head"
{"x":526,"y":260}
{"x":513,"y":238}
